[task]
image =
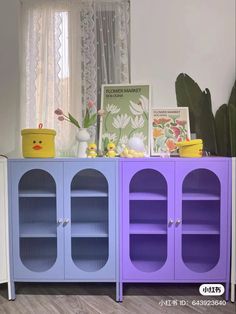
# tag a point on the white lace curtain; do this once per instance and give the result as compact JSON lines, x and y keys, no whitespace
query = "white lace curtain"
{"x":69,"y":48}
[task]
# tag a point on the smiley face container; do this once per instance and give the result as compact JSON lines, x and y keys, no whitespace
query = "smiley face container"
{"x":38,"y":143}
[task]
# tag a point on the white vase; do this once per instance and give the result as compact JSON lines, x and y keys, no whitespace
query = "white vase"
{"x":82,"y":137}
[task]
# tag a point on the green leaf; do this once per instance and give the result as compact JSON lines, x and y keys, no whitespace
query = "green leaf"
{"x":232,"y":120}
{"x":232,"y":98}
{"x":205,"y":123}
{"x":188,"y":94}
{"x":232,"y":128}
{"x":222,"y":131}
{"x":86,"y":119}
{"x":92,"y":120}
{"x":73,"y":120}
{"x":105,"y":143}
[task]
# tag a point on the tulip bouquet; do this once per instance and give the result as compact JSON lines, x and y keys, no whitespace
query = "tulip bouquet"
{"x":89,"y":120}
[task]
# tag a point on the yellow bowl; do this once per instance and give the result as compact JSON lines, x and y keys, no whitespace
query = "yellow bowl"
{"x":38,"y":143}
{"x":192,"y":149}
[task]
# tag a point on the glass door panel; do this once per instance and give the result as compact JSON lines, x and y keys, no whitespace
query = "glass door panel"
{"x":37,"y":220}
{"x":148,"y":220}
{"x":89,"y":220}
{"x":201,"y":220}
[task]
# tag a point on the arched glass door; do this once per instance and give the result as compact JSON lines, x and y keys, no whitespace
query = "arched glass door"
{"x":148,"y":220}
{"x":37,"y":220}
{"x":201,"y":220}
{"x":89,"y":220}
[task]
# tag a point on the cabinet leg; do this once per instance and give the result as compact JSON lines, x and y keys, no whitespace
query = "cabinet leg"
{"x":11,"y":291}
{"x":117,"y":292}
{"x":232,"y":292}
{"x":121,"y":292}
{"x":227,"y":291}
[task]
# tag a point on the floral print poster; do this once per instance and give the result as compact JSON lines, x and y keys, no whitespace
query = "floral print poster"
{"x":169,"y":125}
{"x":125,"y":114}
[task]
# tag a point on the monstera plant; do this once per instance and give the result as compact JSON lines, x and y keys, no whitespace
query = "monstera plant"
{"x":218,"y":133}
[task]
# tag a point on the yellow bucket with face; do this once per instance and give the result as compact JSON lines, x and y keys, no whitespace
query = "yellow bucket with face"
{"x":192,"y":149}
{"x":38,"y":143}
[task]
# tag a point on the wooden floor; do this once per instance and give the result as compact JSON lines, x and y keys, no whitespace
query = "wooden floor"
{"x":99,"y":299}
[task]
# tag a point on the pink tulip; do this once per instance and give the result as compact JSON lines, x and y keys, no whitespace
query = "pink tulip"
{"x":61,"y":118}
{"x":58,"y":112}
{"x":90,"y":104}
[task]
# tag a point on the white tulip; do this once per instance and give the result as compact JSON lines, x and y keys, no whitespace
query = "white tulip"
{"x":136,"y":109}
{"x":121,"y":121}
{"x":141,"y":107}
{"x":110,"y":136}
{"x":137,"y":122}
{"x":144,"y":103}
{"x":112,"y":109}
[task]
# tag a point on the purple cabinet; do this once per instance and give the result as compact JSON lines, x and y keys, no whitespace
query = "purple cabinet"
{"x":175,"y":220}
{"x":147,"y":196}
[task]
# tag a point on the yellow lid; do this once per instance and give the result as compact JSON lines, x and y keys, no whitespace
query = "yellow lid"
{"x":38,"y":131}
{"x":188,"y":143}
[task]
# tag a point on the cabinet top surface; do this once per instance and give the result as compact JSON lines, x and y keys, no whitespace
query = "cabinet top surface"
{"x":102,"y":159}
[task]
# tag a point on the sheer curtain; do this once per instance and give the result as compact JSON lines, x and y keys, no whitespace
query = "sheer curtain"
{"x":105,"y":45}
{"x":69,"y":48}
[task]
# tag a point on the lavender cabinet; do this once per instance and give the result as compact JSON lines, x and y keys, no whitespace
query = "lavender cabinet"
{"x":175,"y":220}
{"x":64,"y":216}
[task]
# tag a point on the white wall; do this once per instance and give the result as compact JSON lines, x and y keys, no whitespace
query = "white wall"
{"x":9,"y":77}
{"x":196,"y":37}
{"x":167,"y":37}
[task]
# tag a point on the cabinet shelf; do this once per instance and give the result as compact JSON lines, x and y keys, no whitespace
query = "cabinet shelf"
{"x":200,"y":266}
{"x":147,"y":196}
{"x":89,"y":229}
{"x":148,"y":266}
{"x":92,"y":254}
{"x":89,"y":193}
{"x":38,"y":230}
{"x":200,"y":228}
{"x":36,"y":193}
{"x":90,"y":265}
{"x":39,"y":264}
{"x":187,"y":196}
{"x":147,"y":228}
{"x":38,"y":254}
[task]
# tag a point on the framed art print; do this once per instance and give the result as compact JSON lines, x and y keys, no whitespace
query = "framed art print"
{"x":168,"y":126}
{"x":126,"y":114}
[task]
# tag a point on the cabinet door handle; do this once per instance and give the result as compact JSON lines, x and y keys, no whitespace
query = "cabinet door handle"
{"x":178,"y":222}
{"x":171,"y":221}
{"x":59,"y":221}
{"x":66,"y":221}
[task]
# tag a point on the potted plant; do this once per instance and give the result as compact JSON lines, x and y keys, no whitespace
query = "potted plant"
{"x":82,"y":135}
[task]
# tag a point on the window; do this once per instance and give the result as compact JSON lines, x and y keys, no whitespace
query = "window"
{"x":70,"y":48}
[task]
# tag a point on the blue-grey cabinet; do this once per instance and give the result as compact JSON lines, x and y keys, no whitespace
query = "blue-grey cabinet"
{"x":63,"y":219}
